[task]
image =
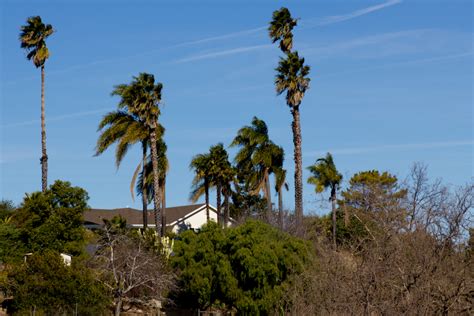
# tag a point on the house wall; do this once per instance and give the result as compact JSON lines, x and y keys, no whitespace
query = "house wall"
{"x":196,"y":220}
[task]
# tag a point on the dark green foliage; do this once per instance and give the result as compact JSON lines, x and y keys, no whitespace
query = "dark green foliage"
{"x":280,"y":29}
{"x":373,"y":203}
{"x":11,"y":247}
{"x":33,"y":39}
{"x":246,"y":268}
{"x":244,"y":204}
{"x":6,"y":209}
{"x":46,"y":284}
{"x":53,"y":219}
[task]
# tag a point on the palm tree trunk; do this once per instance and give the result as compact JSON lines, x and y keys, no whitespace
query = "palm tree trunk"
{"x":218,"y":196}
{"x":156,"y":184}
{"x":44,"y":156}
{"x":334,"y":218}
{"x":163,"y":207}
{"x":298,"y":167}
{"x":226,"y":209}
{"x":280,"y":209}
{"x":144,"y":195}
{"x":206,"y":193}
{"x":268,"y":196}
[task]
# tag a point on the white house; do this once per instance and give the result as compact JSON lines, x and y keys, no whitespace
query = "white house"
{"x":177,"y":218}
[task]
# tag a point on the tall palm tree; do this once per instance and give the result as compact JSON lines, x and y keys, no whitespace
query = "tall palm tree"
{"x":121,"y":128}
{"x":292,"y":78}
{"x":202,"y":179}
{"x":259,"y":154}
{"x":280,"y":183}
{"x":325,"y":175}
{"x":222,"y":175}
{"x":280,"y":29}
{"x":33,"y":39}
{"x":142,"y":179}
{"x":142,"y":98}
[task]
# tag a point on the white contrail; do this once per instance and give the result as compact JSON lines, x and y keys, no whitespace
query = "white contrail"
{"x":227,"y":52}
{"x":324,"y":21}
{"x":57,"y":118}
{"x":381,"y":148}
{"x":357,"y":13}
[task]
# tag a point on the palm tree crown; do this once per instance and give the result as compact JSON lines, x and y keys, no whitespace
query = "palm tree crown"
{"x":121,"y":128}
{"x":142,"y":98}
{"x":33,"y":39}
{"x":259,"y":155}
{"x":280,"y":29}
{"x":202,"y":178}
{"x":325,"y":174}
{"x":292,"y":77}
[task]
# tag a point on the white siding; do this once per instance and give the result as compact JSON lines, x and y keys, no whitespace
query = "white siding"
{"x":196,"y":220}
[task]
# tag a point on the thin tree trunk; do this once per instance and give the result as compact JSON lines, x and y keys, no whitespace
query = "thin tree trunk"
{"x":163,"y":207}
{"x":118,"y":306}
{"x":206,"y":189}
{"x":144,"y":195}
{"x":226,"y":209}
{"x":298,"y":167}
{"x":269,"y":197}
{"x":280,"y":209}
{"x":334,"y":218}
{"x":218,"y":196}
{"x":346,"y":216}
{"x":156,"y":184}
{"x":44,"y":156}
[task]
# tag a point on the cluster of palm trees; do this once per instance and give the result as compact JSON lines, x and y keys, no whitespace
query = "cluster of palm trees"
{"x":136,"y":121}
{"x":258,"y":157}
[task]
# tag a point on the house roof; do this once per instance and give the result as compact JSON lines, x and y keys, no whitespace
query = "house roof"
{"x":135,"y":217}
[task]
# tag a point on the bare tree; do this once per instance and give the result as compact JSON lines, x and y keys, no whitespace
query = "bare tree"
{"x":413,"y":259}
{"x":132,"y":272}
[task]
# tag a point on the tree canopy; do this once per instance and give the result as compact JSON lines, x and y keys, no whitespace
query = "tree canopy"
{"x":246,"y":268}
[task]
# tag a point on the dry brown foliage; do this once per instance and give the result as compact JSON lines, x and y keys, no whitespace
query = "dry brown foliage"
{"x":416,"y":262}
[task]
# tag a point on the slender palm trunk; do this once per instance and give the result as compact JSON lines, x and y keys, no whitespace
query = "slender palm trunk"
{"x":144,"y":195}
{"x":298,"y":167}
{"x":44,"y":156}
{"x":218,"y":197}
{"x":280,"y":209}
{"x":206,"y":193}
{"x":226,"y":208}
{"x":268,"y":196}
{"x":334,"y":218}
{"x":163,"y":207}
{"x":156,"y":184}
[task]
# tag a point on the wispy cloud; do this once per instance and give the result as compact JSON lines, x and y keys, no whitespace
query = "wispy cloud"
{"x":371,"y":40}
{"x":395,"y":147}
{"x":56,"y":118}
{"x":355,"y":14}
{"x":221,"y":37}
{"x":405,"y":63}
{"x":221,"y":53}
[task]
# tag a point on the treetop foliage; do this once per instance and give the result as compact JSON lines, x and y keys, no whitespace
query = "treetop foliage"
{"x":246,"y":268}
{"x":53,"y":219}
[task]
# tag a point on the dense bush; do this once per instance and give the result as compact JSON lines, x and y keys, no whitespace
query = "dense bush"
{"x":246,"y":268}
{"x":53,"y":219}
{"x":44,"y":283}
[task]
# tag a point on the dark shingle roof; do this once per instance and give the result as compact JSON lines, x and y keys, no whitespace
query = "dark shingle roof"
{"x":135,"y":217}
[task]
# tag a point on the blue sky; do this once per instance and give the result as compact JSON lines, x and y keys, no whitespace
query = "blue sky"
{"x":391,"y":84}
